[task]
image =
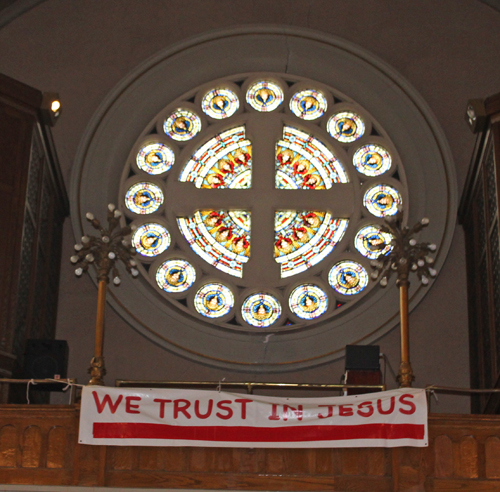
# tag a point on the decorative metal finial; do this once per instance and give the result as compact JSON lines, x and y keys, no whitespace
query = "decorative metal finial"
{"x":104,"y":253}
{"x":405,"y":256}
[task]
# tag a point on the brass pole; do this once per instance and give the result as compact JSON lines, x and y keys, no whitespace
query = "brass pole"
{"x":97,"y":369}
{"x":405,"y":375}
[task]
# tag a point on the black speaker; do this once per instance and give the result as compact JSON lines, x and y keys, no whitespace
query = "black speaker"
{"x":45,"y":359}
{"x":362,"y":357}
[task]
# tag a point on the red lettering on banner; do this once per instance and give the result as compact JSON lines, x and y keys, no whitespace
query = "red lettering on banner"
{"x":243,"y":402}
{"x":181,"y":408}
{"x":346,"y":410}
{"x":274,"y":413}
{"x":402,"y":400}
{"x":129,"y":407}
{"x":365,"y":409}
{"x":162,"y":402}
{"x":297,"y":411}
{"x":381,"y":411}
{"x":208,"y":412}
{"x":330,"y":411}
{"x":221,"y":405}
{"x":106,"y":400}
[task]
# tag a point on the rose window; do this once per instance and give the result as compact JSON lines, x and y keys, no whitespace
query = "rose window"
{"x":257,"y":201}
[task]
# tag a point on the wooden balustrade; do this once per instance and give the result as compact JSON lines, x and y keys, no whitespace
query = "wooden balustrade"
{"x":39,"y":445}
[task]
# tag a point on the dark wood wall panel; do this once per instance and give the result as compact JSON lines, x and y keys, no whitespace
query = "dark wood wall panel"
{"x":479,"y":215}
{"x":33,"y":204}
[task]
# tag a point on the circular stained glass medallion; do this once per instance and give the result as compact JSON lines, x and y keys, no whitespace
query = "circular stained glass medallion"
{"x":348,"y":278}
{"x":345,"y":127}
{"x":264,"y":96}
{"x":144,"y":198}
{"x":155,"y":158}
{"x":214,"y":300}
{"x":175,"y":276}
{"x":308,"y":301}
{"x":372,"y":160}
{"x":260,"y":310}
{"x":372,"y":242}
{"x":308,"y":104}
{"x":182,"y":125}
{"x":220,"y":103}
{"x":151,"y":239}
{"x":382,"y":200}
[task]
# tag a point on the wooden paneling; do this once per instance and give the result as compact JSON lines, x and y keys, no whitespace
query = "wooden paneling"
{"x":33,"y":202}
{"x":38,"y":445}
{"x":492,"y":457}
{"x":479,"y":215}
{"x":8,"y":446}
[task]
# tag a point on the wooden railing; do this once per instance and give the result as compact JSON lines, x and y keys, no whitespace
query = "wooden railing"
{"x":39,"y":445}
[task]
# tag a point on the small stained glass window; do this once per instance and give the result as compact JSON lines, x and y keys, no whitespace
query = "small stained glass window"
{"x":308,"y":104}
{"x":214,"y":300}
{"x":182,"y":125}
{"x":151,"y":239}
{"x":260,"y":310}
{"x":303,"y":162}
{"x":220,"y":103}
{"x":372,"y":242}
{"x":345,"y":127}
{"x":372,"y":160}
{"x":175,"y":276}
{"x":264,"y":96}
{"x":303,"y":239}
{"x":225,"y":161}
{"x":144,"y":198}
{"x":220,"y":237}
{"x":308,"y":301}
{"x":382,"y":200}
{"x":348,"y":278}
{"x":155,"y":158}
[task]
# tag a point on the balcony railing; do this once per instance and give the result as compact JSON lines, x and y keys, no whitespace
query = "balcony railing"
{"x":39,"y":445}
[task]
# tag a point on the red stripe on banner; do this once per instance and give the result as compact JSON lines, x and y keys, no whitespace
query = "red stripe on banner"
{"x":126,"y":430}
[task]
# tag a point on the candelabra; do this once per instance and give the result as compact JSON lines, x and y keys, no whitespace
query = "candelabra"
{"x":104,"y":253}
{"x":406,"y":256}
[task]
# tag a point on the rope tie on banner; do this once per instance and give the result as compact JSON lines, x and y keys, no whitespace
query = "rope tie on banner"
{"x":219,"y":387}
{"x":31,"y":381}
{"x":66,"y":382}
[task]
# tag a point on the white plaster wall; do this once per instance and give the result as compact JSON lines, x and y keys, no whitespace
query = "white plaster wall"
{"x":448,"y":49}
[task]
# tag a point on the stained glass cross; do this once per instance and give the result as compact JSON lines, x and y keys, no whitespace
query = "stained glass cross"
{"x":262,"y":200}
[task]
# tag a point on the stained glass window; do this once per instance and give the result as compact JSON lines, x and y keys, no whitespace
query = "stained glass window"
{"x":175,"y":276}
{"x":346,"y":127}
{"x":372,"y":242}
{"x":308,"y":301}
{"x":311,"y":237}
{"x":182,"y":125}
{"x":260,"y":310}
{"x":303,"y":162}
{"x":303,"y":239}
{"x":220,"y":237}
{"x":220,"y":103}
{"x":382,"y":200}
{"x":348,"y":278}
{"x":264,"y":96}
{"x":372,"y":160}
{"x":151,"y":239}
{"x":308,"y":104}
{"x":144,"y":198}
{"x":214,"y":300}
{"x":155,"y":158}
{"x":225,"y":161}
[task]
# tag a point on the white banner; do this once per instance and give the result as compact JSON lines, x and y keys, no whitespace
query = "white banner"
{"x":173,"y":417}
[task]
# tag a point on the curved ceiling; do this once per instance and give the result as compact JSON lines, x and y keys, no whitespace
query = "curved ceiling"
{"x":11,"y":9}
